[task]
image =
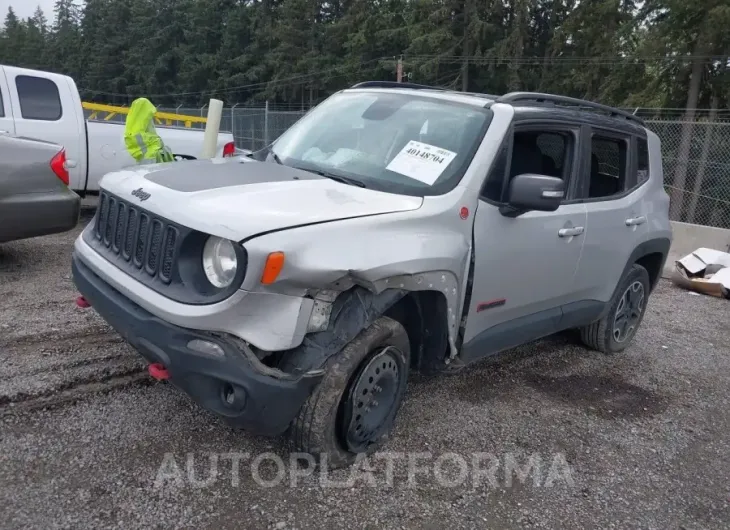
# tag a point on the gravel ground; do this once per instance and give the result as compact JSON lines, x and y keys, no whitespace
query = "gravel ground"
{"x":635,"y":440}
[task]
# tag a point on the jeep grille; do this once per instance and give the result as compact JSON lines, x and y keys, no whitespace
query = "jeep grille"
{"x":136,"y":236}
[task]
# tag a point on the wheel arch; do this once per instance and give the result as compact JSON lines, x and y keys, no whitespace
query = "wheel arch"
{"x":352,"y":311}
{"x":424,"y":315}
{"x":652,"y":255}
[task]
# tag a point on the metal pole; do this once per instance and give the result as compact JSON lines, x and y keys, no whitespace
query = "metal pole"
{"x":233,"y":123}
{"x":266,"y":123}
{"x":253,"y":135}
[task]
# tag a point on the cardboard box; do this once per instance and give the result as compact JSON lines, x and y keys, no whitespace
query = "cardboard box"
{"x":690,"y":272}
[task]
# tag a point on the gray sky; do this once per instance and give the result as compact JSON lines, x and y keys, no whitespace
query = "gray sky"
{"x":25,"y":8}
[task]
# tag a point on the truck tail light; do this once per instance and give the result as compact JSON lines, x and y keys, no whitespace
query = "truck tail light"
{"x":58,"y":165}
{"x":229,"y":149}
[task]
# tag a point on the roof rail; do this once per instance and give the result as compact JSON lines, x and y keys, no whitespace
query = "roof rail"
{"x":480,"y":95}
{"x":393,"y":84}
{"x":537,"y":97}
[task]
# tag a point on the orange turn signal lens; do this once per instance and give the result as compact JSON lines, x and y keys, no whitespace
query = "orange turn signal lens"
{"x":272,"y":268}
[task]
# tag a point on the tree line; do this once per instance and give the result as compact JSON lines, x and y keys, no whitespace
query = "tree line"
{"x":293,"y":53}
{"x":631,"y":53}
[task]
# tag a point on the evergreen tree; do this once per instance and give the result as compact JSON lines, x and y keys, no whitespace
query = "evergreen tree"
{"x":12,"y":41}
{"x":635,"y":53}
{"x":64,"y":52}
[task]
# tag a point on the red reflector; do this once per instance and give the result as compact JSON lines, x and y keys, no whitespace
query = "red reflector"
{"x":492,"y":303}
{"x":229,"y":149}
{"x":82,"y":302}
{"x":158,"y":371}
{"x":58,"y":165}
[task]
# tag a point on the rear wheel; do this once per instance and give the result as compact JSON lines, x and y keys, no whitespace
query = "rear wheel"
{"x":353,"y":409}
{"x":614,"y":332}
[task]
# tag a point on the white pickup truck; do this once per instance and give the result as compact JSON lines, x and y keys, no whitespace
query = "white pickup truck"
{"x":47,"y":106}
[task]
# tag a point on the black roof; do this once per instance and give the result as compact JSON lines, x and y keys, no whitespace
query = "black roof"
{"x":580,"y":116}
{"x":529,"y":99}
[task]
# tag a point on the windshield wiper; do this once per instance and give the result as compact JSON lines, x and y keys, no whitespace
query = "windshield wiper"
{"x":337,"y":178}
{"x":275,"y":156}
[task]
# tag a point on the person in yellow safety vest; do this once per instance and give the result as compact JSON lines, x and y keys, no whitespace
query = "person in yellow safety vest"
{"x":141,"y":138}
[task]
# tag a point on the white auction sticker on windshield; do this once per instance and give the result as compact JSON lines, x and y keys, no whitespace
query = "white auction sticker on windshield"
{"x":421,"y":161}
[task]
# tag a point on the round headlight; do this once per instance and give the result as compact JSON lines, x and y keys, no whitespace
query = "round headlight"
{"x":219,"y":261}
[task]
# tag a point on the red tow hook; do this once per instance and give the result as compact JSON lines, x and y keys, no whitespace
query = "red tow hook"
{"x":158,"y":371}
{"x":82,"y":302}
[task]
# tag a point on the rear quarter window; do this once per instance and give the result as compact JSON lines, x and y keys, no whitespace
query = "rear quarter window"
{"x":39,"y":98}
{"x":2,"y":105}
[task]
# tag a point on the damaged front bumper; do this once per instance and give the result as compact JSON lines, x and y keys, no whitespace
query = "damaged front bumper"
{"x":269,"y":321}
{"x":228,"y":380}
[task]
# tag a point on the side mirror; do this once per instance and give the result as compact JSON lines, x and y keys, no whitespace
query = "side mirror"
{"x":534,"y":192}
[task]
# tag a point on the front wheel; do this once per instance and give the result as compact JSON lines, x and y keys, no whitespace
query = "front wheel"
{"x":614,"y":332}
{"x":353,"y":409}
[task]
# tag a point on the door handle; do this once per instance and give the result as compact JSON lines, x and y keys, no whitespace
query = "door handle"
{"x":570,"y":232}
{"x":635,"y":221}
{"x":4,"y":132}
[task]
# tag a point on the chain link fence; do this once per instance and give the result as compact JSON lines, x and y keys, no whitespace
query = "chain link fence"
{"x":252,"y":127}
{"x":696,"y":158}
{"x":696,"y":153}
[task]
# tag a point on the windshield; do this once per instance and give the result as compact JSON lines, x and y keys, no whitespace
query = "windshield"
{"x":392,"y":142}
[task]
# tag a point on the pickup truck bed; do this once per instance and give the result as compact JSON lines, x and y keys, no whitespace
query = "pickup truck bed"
{"x":107,"y":152}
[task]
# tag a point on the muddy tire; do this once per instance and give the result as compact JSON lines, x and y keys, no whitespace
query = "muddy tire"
{"x":333,"y":425}
{"x":615,"y":331}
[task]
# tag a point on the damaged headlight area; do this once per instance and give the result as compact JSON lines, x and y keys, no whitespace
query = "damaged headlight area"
{"x":220,"y":262}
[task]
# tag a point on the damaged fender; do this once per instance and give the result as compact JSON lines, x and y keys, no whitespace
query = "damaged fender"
{"x":356,"y":269}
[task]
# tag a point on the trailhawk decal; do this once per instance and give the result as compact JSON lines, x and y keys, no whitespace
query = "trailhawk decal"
{"x":421,"y":161}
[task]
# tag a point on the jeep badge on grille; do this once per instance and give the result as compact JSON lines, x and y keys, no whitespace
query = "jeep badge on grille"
{"x":141,"y":194}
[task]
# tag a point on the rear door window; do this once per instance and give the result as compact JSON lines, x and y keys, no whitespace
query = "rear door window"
{"x":608,"y":167}
{"x":39,"y":98}
{"x":2,"y":105}
{"x":642,"y":170}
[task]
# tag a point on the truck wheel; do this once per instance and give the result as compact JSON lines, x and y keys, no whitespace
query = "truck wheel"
{"x":353,"y":408}
{"x":614,"y":332}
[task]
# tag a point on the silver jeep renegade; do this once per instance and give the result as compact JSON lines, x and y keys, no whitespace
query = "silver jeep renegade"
{"x":395,"y":227}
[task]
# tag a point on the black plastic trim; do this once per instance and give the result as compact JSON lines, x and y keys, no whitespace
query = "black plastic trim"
{"x":539,"y":98}
{"x":265,"y":404}
{"x":511,"y":334}
{"x":578,"y":314}
{"x":532,"y":327}
{"x":659,"y":245}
